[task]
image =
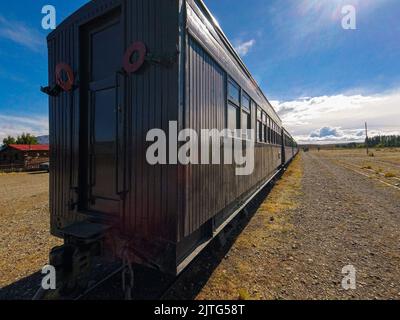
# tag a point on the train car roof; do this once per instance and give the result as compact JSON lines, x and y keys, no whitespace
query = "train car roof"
{"x":287,"y":133}
{"x":80,"y":14}
{"x":233,"y":51}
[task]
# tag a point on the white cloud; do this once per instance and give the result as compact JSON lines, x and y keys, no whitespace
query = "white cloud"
{"x":340,"y":118}
{"x":21,"y":34}
{"x":325,"y":132}
{"x":243,"y":47}
{"x":16,"y":125}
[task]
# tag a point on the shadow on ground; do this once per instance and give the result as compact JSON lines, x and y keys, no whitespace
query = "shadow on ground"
{"x":37,"y":172}
{"x":195,"y":277}
{"x":23,"y":289}
{"x":151,"y":284}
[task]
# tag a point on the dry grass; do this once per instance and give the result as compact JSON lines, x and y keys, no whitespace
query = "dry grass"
{"x":235,"y":277}
{"x":385,"y":163}
{"x":24,"y":216}
{"x":390,"y":175}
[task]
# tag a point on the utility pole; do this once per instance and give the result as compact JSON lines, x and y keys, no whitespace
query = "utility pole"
{"x":366,"y":137}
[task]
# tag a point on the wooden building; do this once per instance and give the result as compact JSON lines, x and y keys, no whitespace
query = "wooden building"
{"x":23,"y":156}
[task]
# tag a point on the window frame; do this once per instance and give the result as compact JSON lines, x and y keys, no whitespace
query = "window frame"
{"x":273,"y":132}
{"x":230,"y":81}
{"x":265,"y":126}
{"x":233,"y":103}
{"x":259,"y":124}
{"x":238,"y":116}
{"x":244,"y":96}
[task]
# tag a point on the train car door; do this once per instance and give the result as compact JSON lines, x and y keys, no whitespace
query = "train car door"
{"x":102,"y":44}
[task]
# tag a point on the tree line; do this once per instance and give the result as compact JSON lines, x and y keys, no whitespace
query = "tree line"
{"x":392,"y":141}
{"x":383,"y":141}
{"x":25,"y":138}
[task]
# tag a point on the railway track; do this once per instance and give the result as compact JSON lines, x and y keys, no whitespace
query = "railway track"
{"x":356,"y":169}
{"x":389,"y":163}
{"x":165,"y":290}
{"x":108,"y":284}
{"x":115,"y":276}
{"x":103,"y":286}
{"x":98,"y":284}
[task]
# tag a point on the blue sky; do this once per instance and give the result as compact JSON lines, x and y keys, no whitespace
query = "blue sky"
{"x":300,"y":48}
{"x":316,"y":74}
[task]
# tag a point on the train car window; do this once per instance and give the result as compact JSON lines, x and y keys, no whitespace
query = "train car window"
{"x":233,"y":92}
{"x":259,"y":125}
{"x":265,"y":127}
{"x":273,"y":133}
{"x":246,"y":114}
{"x":246,"y":102}
{"x":279,"y":137}
{"x":246,"y":123}
{"x":246,"y":120}
{"x":233,"y":117}
{"x":269,"y":130}
{"x":259,"y":114}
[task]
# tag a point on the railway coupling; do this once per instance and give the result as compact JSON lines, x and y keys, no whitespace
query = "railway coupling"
{"x":73,"y":261}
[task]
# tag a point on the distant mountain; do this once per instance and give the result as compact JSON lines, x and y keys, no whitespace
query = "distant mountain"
{"x":43,"y":140}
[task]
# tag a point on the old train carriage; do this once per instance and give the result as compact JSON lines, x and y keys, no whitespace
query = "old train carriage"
{"x":289,"y":146}
{"x":118,"y":69}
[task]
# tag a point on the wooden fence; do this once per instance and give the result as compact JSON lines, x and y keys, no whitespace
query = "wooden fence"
{"x":20,"y":167}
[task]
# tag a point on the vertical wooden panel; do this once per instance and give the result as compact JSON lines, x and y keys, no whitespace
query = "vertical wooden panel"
{"x":153,"y":101}
{"x":212,"y":188}
{"x":205,"y":108}
{"x":61,"y":131}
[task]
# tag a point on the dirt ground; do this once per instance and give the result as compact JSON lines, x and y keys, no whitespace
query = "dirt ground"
{"x":24,"y":218}
{"x":329,"y":211}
